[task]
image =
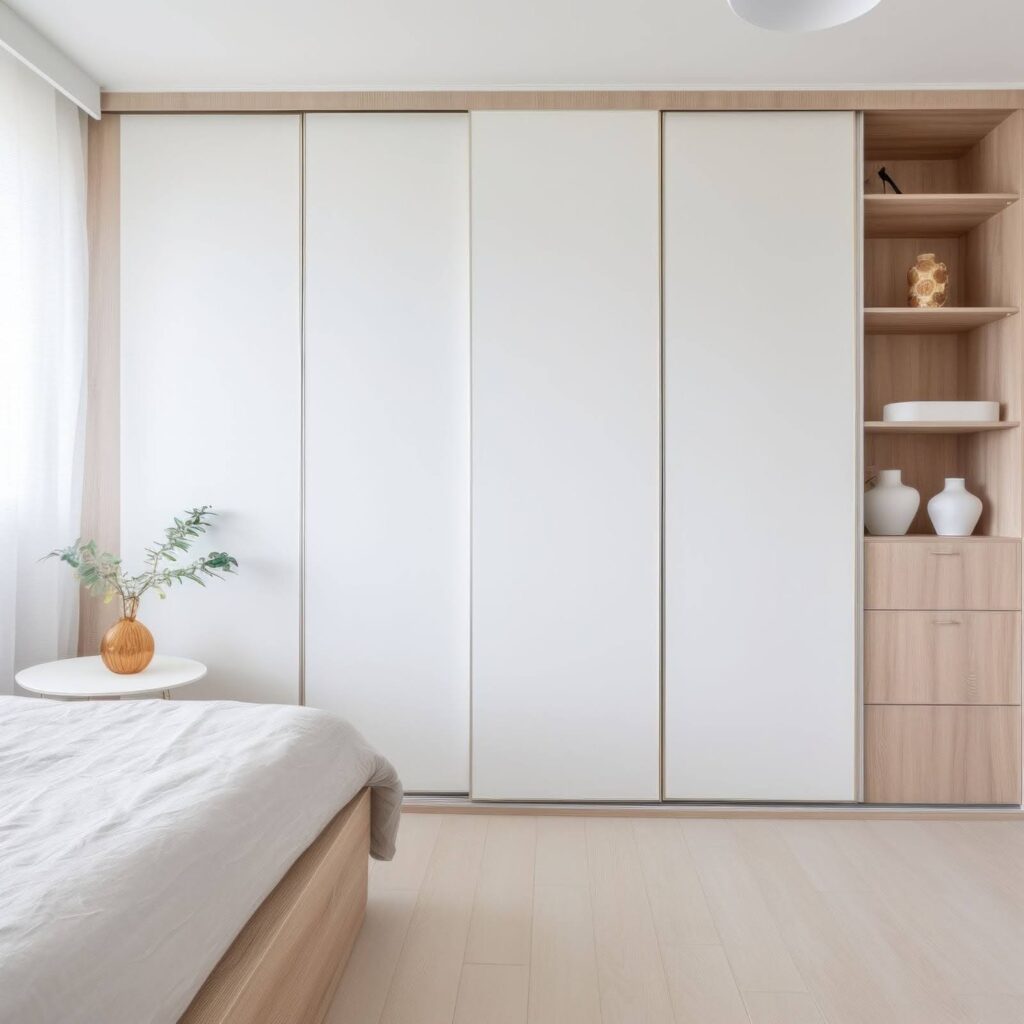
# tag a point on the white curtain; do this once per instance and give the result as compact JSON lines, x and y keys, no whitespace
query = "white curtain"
{"x":43,"y":329}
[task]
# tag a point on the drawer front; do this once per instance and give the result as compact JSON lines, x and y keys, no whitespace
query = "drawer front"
{"x":941,"y":574}
{"x":941,"y":657}
{"x":942,"y":755}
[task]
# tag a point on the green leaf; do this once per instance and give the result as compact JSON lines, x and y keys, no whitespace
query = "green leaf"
{"x":101,"y":573}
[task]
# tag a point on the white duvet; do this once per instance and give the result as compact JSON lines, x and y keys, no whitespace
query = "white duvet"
{"x":137,"y":837}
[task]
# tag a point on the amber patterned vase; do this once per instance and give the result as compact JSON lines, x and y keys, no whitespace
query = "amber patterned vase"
{"x":127,"y":647}
{"x":927,"y":279}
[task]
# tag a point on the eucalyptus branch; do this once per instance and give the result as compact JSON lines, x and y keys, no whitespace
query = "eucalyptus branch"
{"x":101,"y":573}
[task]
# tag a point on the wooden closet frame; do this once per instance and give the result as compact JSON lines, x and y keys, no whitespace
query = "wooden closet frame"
{"x":1000,"y":101}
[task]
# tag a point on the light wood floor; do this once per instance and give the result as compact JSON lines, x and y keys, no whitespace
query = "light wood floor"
{"x":497,"y":919}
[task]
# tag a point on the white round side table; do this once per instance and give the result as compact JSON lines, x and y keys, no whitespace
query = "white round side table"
{"x":90,"y":678}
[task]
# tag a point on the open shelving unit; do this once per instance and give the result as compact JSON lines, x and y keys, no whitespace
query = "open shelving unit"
{"x":932,"y":732}
{"x":961,"y":175}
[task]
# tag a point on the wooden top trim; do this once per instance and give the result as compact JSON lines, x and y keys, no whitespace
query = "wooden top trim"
{"x":563,"y":99}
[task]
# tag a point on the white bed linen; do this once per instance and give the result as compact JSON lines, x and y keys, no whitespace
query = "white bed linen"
{"x":137,"y":838}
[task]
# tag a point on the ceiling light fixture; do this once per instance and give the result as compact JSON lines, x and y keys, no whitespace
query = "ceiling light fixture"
{"x":800,"y":15}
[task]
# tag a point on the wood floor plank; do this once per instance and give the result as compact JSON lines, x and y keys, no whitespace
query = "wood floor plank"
{"x":493,"y":994}
{"x":992,"y":858}
{"x":996,"y":853}
{"x":993,"y":1009}
{"x":824,"y":861}
{"x":964,"y":872}
{"x":634,"y":989}
{"x":915,"y":987}
{"x":561,"y":851}
{"x":939,"y":931}
{"x":979,"y":932}
{"x":702,"y":986}
{"x":417,"y":835}
{"x":783,"y":1008}
{"x":680,"y":909}
{"x":563,"y":965}
{"x":426,"y":980}
{"x":1008,"y":834}
{"x":759,"y":957}
{"x":826,"y":956}
{"x":501,"y":924}
{"x":706,"y":830}
{"x":901,"y":958}
{"x":371,"y":966}
{"x":623,"y":921}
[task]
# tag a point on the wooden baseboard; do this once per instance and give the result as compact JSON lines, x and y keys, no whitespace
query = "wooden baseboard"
{"x":463,"y":805}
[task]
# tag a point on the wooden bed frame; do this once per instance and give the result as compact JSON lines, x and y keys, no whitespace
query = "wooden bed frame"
{"x":287,"y":961}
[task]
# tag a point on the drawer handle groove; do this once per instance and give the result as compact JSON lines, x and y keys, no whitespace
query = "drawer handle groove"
{"x":945,"y":622}
{"x":948,"y":554}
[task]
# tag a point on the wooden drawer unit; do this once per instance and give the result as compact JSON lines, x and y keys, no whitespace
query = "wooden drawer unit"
{"x":941,"y":657}
{"x":942,"y":755}
{"x":940,"y":573}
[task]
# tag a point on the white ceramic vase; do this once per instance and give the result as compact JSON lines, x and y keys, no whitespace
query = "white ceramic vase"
{"x":954,"y":511}
{"x":890,"y":506}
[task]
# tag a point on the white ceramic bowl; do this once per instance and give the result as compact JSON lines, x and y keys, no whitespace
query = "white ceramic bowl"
{"x":948,"y":412}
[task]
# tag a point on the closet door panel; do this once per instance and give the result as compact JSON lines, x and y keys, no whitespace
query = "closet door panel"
{"x":210,"y":383}
{"x":565,"y":455}
{"x":761,"y":477}
{"x":387,"y":435}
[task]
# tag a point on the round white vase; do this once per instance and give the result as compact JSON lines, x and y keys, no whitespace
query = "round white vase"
{"x":890,"y":506}
{"x":954,"y":511}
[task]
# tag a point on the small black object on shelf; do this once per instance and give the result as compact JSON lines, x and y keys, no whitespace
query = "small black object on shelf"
{"x":887,"y":180}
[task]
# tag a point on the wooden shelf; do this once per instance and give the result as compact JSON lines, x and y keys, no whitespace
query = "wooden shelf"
{"x":926,"y":134}
{"x":936,"y":427}
{"x":943,"y":320}
{"x":934,"y":215}
{"x":932,"y":538}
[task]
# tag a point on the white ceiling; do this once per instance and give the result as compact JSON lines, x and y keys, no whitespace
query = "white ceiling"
{"x":341,"y":44}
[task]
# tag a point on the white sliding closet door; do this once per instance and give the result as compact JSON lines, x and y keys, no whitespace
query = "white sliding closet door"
{"x":565,"y":455}
{"x":210,"y":382}
{"x":761,"y":478}
{"x":387,"y":435}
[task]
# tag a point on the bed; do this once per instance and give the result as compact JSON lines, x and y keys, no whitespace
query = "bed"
{"x":195,"y":861}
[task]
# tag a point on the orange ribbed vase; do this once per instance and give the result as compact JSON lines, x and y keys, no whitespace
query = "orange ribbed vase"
{"x":127,"y":647}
